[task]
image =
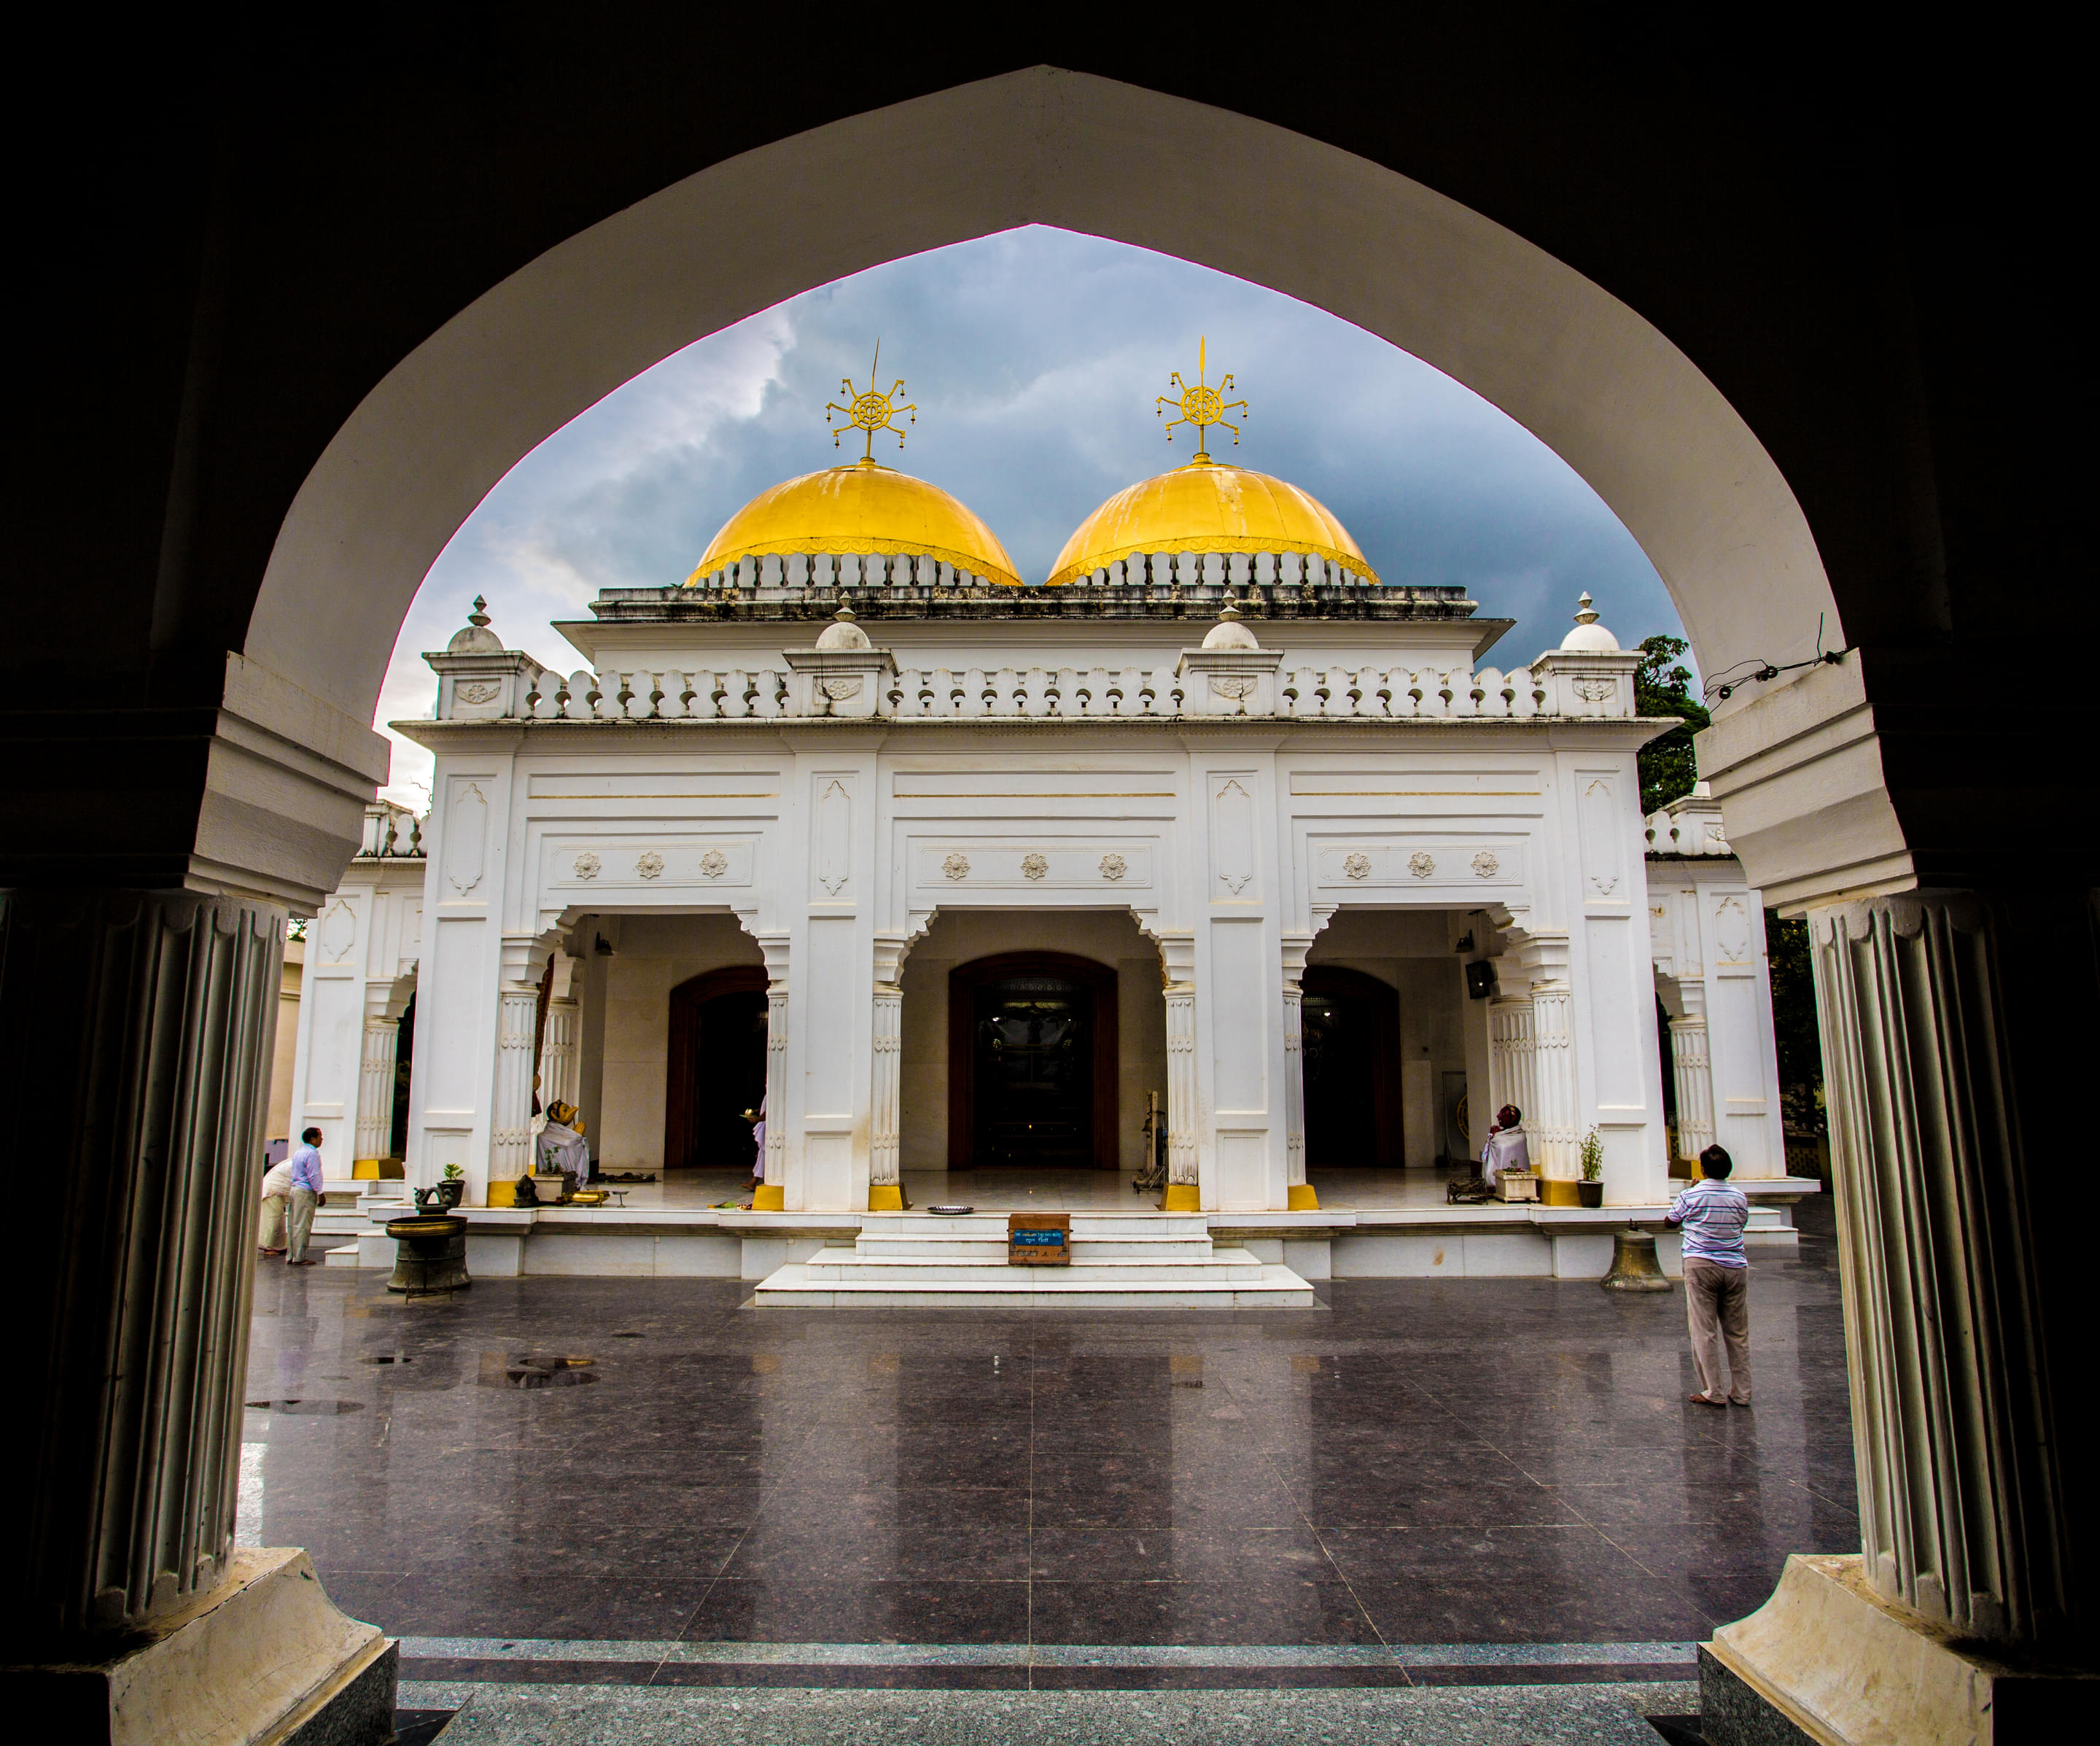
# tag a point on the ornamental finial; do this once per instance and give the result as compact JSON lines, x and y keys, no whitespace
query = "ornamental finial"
{"x":870,"y":412}
{"x":1201,"y":405}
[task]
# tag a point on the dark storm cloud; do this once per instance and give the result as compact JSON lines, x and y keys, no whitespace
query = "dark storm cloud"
{"x":1035,"y":357}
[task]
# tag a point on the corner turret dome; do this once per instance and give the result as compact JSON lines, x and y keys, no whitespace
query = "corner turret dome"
{"x":865,"y":510}
{"x":1208,"y":506}
{"x":1589,"y":637}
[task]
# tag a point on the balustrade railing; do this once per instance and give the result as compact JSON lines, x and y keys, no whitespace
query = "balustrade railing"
{"x":734,"y":694}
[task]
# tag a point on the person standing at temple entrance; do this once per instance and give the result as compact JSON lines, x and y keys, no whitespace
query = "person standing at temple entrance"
{"x":1717,"y":1278}
{"x":561,"y":1145}
{"x":303,"y":1194}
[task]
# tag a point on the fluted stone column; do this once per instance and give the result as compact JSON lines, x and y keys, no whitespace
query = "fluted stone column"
{"x":375,"y":1078}
{"x":771,"y":1194}
{"x":510,"y":1121}
{"x":561,"y":1064}
{"x":1954,"y":1404}
{"x":1550,"y":1117}
{"x":1512,"y":1067}
{"x":1177,"y":960}
{"x":145,"y":1022}
{"x":885,"y":1191}
{"x":1297,"y":1189}
{"x":1692,"y":1070}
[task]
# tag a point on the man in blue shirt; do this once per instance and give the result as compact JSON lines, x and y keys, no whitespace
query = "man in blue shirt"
{"x":306,"y":1195}
{"x":1717,"y":1278}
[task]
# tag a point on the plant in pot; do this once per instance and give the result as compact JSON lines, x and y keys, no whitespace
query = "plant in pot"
{"x":1590,"y":1190}
{"x":452,"y":1187}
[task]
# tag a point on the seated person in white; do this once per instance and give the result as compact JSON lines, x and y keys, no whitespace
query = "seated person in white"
{"x":560,"y":1146}
{"x":1506,"y":1148}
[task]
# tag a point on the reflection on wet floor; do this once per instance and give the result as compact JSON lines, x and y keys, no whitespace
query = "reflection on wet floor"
{"x":1446,"y":1463}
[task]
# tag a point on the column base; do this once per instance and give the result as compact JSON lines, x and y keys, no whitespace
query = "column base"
{"x":1181,"y":1197}
{"x":769,"y":1197}
{"x":1300,"y":1198}
{"x":882,"y":1197}
{"x":1828,"y":1662}
{"x":376,"y":1170}
{"x":264,"y":1659}
{"x":1553,"y":1190}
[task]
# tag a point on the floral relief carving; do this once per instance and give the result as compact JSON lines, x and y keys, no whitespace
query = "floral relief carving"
{"x":1034,"y":866}
{"x":477,"y":691}
{"x":714,"y":864}
{"x":1486,"y":866}
{"x":839,"y":690}
{"x":1114,"y":867}
{"x":1357,"y":866}
{"x":1240,"y":685}
{"x":1422,"y":864}
{"x":1595,"y":691}
{"x":587,"y":866}
{"x":650,"y":865}
{"x":956,"y":867}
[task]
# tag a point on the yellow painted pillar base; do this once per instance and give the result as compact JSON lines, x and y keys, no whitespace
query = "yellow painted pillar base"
{"x":1555,"y":1191}
{"x":885,"y":1197}
{"x":503,"y":1194}
{"x":769,"y":1197}
{"x":1181,"y":1197}
{"x":1303,"y":1200}
{"x":376,"y":1170}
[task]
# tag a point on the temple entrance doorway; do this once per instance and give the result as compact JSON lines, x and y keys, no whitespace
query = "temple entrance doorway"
{"x":1350,"y":1025}
{"x":714,"y":1069}
{"x":1033,"y":1060}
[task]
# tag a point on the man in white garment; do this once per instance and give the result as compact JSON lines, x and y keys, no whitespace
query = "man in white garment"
{"x":1506,"y":1148}
{"x":276,"y":1198}
{"x":560,"y":1146}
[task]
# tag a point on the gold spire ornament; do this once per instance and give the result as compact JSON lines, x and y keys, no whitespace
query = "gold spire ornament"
{"x":870,"y":412}
{"x":1201,"y":405}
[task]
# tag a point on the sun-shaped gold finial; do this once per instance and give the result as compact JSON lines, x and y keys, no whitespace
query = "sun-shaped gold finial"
{"x":1201,"y":405}
{"x":870,"y":412}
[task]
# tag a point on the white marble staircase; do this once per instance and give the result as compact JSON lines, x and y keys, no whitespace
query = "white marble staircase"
{"x":1120,"y":1261}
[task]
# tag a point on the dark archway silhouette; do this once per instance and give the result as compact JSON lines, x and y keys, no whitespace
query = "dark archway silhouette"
{"x":971,"y":987}
{"x":1350,"y":1027}
{"x":714,"y":1068}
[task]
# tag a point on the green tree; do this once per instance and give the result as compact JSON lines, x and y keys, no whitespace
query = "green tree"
{"x":1662,"y":687}
{"x":1800,"y":1043}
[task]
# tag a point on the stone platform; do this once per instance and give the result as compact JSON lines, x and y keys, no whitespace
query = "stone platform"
{"x":1371,"y":1225}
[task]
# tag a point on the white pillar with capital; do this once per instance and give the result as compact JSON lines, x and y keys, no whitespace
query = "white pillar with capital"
{"x":885,"y":1182}
{"x":770,"y":1196}
{"x":510,"y":1115}
{"x":375,"y":1089}
{"x":1692,"y":1070}
{"x":561,"y":1056}
{"x":1177,"y":953}
{"x":1301,"y":1197}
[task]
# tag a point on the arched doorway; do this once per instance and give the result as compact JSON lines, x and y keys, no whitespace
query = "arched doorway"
{"x":1032,"y":1059}
{"x":1349,"y":1025}
{"x":714,"y":1069}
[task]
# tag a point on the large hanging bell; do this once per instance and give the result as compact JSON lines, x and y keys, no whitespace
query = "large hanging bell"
{"x":1633,"y":1264}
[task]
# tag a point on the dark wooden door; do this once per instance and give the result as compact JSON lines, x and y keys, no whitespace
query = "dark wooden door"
{"x":1032,"y":1062}
{"x":714,"y":1069}
{"x":1350,"y":1032}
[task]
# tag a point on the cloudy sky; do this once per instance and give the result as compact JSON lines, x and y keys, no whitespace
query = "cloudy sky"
{"x":1034,"y":357}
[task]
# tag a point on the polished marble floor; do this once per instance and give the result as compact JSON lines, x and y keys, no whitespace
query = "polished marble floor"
{"x":1422,"y":1482}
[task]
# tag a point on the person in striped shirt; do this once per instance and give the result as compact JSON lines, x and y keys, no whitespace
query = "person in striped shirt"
{"x":1717,"y":1277}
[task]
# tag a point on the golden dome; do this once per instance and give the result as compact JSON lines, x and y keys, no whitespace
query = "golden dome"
{"x":1207,"y":507}
{"x":863,"y":508}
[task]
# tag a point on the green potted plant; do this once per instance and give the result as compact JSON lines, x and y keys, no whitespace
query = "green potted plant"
{"x":453,"y":1185}
{"x":1590,"y":1190}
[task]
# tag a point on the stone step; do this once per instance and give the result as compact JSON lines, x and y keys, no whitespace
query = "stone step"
{"x":809,"y":1285}
{"x":344,"y":1257}
{"x":1083,"y":1248}
{"x":1234,"y":1264}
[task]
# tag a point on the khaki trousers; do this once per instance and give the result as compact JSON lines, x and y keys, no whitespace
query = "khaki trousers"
{"x":295,"y":1209}
{"x":1717,"y":1303}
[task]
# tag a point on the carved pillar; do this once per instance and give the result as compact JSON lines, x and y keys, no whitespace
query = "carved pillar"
{"x":1962,"y":1502}
{"x":885,"y":1192}
{"x":1299,"y":1192}
{"x":1177,"y":953}
{"x":770,"y":1197}
{"x":144,"y":1021}
{"x":1694,"y":1075}
{"x":1550,"y":1117}
{"x":1511,"y":1078}
{"x":510,"y":1119}
{"x":375,"y":1088}
{"x":560,"y":1058}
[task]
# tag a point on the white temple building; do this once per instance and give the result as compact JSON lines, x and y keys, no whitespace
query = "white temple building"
{"x":967,"y":879}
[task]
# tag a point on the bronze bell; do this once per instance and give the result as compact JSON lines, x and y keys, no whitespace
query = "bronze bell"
{"x":1633,"y":1265}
